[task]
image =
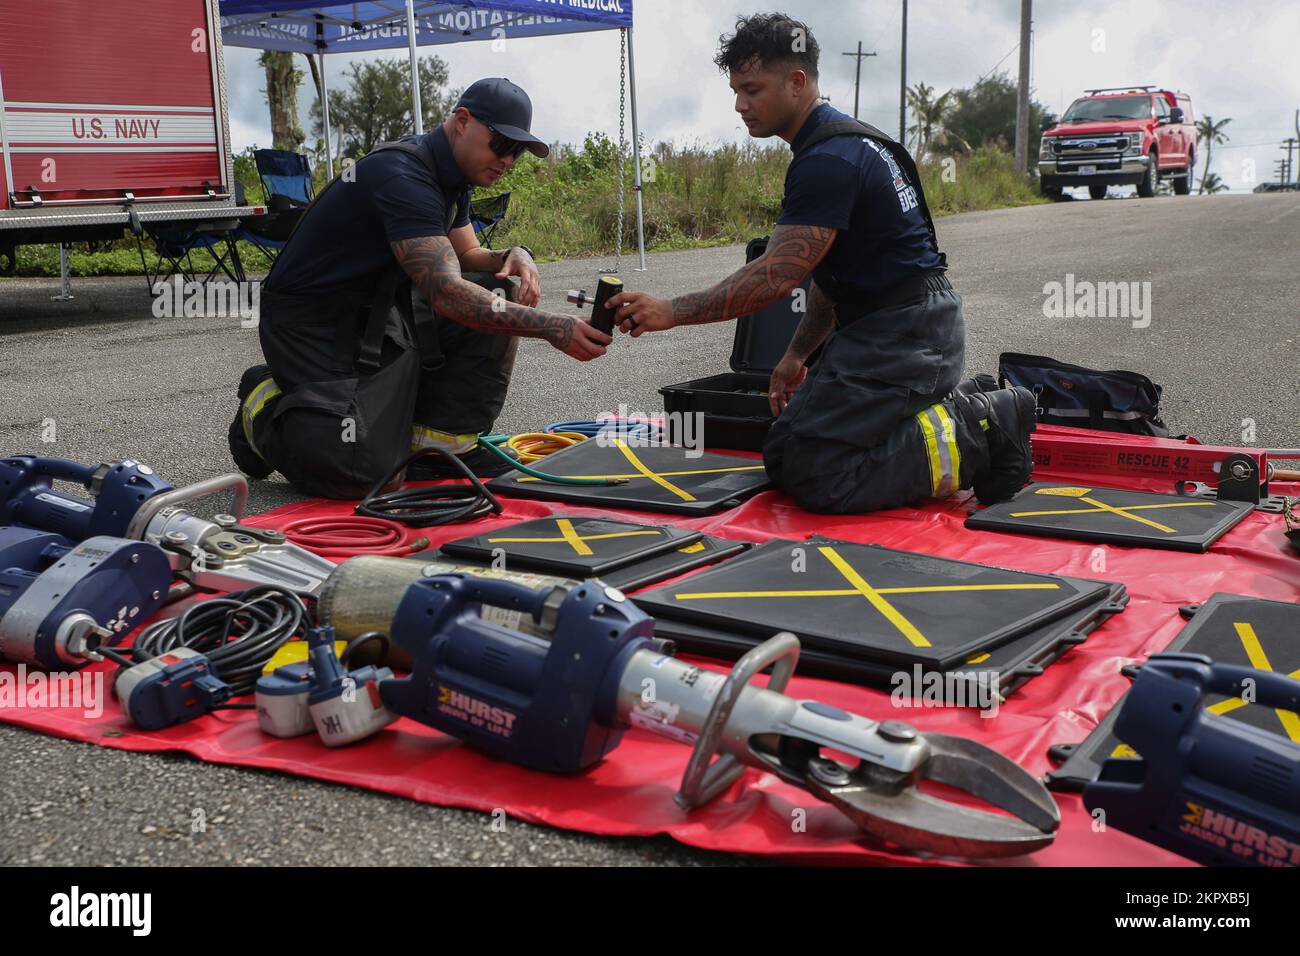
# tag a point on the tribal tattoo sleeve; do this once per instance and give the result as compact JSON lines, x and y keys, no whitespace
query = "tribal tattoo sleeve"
{"x":814,"y":326}
{"x":792,"y":253}
{"x":431,"y":263}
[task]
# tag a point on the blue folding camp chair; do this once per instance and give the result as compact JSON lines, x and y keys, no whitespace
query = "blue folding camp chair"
{"x":286,"y":182}
{"x":486,"y":214}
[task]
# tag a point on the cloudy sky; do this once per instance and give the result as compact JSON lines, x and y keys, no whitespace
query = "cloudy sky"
{"x":1236,"y":60}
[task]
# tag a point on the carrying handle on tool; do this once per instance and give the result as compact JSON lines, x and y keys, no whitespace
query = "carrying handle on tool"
{"x":60,"y":469}
{"x":704,"y":781}
{"x":149,"y":510}
{"x":1270,"y":689}
{"x":494,"y":592}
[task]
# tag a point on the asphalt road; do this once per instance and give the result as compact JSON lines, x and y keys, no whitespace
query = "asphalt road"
{"x":115,"y":381}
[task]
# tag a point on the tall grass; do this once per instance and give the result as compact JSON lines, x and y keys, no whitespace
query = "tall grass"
{"x":566,"y":205}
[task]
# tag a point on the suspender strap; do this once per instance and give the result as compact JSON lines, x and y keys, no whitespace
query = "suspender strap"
{"x":901,"y":156}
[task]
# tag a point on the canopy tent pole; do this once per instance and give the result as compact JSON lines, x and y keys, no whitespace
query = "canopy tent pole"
{"x":636,"y":154}
{"x":325,"y":118}
{"x":416,"y":108}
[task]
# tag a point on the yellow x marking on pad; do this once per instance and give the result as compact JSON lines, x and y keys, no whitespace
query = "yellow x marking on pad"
{"x":1100,"y":507}
{"x":1259,"y":660}
{"x":576,"y":541}
{"x":658,"y":477}
{"x":875,"y":595}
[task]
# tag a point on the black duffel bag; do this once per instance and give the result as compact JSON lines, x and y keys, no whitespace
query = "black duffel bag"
{"x":1114,"y":401}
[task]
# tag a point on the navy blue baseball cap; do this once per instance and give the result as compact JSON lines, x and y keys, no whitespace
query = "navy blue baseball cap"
{"x":498,"y":103}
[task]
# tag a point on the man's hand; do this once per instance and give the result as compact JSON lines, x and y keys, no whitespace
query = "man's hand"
{"x":519,"y":263}
{"x":579,"y":340}
{"x":786,"y":379}
{"x":638,"y":312}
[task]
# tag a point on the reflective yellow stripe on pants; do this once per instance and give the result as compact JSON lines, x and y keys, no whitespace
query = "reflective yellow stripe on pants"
{"x":423,"y":437}
{"x":254,"y":403}
{"x":940,"y":434}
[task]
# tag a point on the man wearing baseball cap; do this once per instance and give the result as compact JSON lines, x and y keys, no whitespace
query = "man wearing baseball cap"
{"x":359,"y":372}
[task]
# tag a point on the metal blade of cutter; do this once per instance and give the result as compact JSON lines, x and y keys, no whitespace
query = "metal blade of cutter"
{"x":889,"y":805}
{"x":222,"y":554}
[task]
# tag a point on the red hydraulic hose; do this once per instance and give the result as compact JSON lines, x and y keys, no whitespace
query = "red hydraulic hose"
{"x":347,"y":536}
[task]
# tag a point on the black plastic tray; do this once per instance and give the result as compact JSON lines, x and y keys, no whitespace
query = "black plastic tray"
{"x":707,"y":483}
{"x":890,"y":627}
{"x":1011,"y":665}
{"x":1149,"y":519}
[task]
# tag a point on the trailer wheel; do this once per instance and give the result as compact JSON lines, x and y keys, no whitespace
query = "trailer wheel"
{"x":1097,"y":192}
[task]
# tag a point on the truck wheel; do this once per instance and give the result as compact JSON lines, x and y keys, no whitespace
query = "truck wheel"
{"x":1183,"y":181}
{"x":1147,"y":188}
{"x":1051,"y":192}
{"x":1097,"y":192}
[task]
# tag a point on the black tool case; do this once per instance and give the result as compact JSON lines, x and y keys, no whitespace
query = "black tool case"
{"x":735,"y":406}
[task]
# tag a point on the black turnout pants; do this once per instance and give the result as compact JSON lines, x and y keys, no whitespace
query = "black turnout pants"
{"x":357,"y":374}
{"x":850,"y":440}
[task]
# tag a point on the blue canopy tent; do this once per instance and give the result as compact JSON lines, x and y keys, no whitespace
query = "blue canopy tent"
{"x":314,"y":28}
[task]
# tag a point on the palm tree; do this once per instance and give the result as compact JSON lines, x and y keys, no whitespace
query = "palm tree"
{"x":1210,"y":131}
{"x":1212,"y":184}
{"x":930,"y":114}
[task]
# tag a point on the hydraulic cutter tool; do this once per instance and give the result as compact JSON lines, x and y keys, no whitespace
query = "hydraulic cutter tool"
{"x":560,"y":698}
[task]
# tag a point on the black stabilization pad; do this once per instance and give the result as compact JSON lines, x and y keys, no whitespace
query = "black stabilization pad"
{"x":708,"y":550}
{"x":892,"y":607}
{"x":1113,"y":516}
{"x":658,"y":477}
{"x":1003,"y":669}
{"x":1229,"y":629}
{"x":571,"y":546}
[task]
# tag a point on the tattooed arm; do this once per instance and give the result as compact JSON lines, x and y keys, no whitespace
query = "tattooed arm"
{"x":815,"y":325}
{"x":791,"y":371}
{"x":792,"y":253}
{"x":433,"y":266}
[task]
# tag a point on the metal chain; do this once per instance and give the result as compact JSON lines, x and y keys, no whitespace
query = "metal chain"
{"x":622,"y":145}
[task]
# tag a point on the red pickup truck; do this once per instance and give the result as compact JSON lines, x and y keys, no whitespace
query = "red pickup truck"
{"x":1126,"y":136}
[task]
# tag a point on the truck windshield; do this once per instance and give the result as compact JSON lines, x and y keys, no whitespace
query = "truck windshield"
{"x":1113,"y":107}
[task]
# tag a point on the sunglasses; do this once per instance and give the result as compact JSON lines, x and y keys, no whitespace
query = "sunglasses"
{"x":503,"y":145}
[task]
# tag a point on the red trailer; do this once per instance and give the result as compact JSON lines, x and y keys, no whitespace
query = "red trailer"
{"x":112,"y":114}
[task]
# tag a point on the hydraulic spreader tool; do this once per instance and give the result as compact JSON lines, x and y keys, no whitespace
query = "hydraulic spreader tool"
{"x":559,"y":696}
{"x":129,"y":501}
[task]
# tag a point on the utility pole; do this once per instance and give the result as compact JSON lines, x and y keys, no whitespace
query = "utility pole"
{"x":1022,"y":98}
{"x":1287,"y":170}
{"x":857,"y":75}
{"x":902,"y":88}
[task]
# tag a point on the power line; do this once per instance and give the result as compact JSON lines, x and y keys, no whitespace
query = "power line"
{"x":1000,"y":62}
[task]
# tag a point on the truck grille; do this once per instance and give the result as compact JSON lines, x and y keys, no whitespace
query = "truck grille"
{"x":1089,"y":148}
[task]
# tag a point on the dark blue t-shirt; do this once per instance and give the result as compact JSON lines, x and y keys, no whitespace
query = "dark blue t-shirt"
{"x":342,"y":243}
{"x":853,"y":184}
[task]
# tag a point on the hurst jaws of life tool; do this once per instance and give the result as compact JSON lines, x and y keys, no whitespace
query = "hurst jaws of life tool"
{"x":130,"y":501}
{"x":1221,"y":792}
{"x":560,"y":698}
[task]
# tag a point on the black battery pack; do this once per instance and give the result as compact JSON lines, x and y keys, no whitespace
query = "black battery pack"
{"x":737,"y":414}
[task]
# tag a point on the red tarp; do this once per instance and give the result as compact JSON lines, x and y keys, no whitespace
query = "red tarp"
{"x":630,"y":794}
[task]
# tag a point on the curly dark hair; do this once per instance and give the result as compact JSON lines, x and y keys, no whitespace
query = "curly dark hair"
{"x":768,"y":39}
